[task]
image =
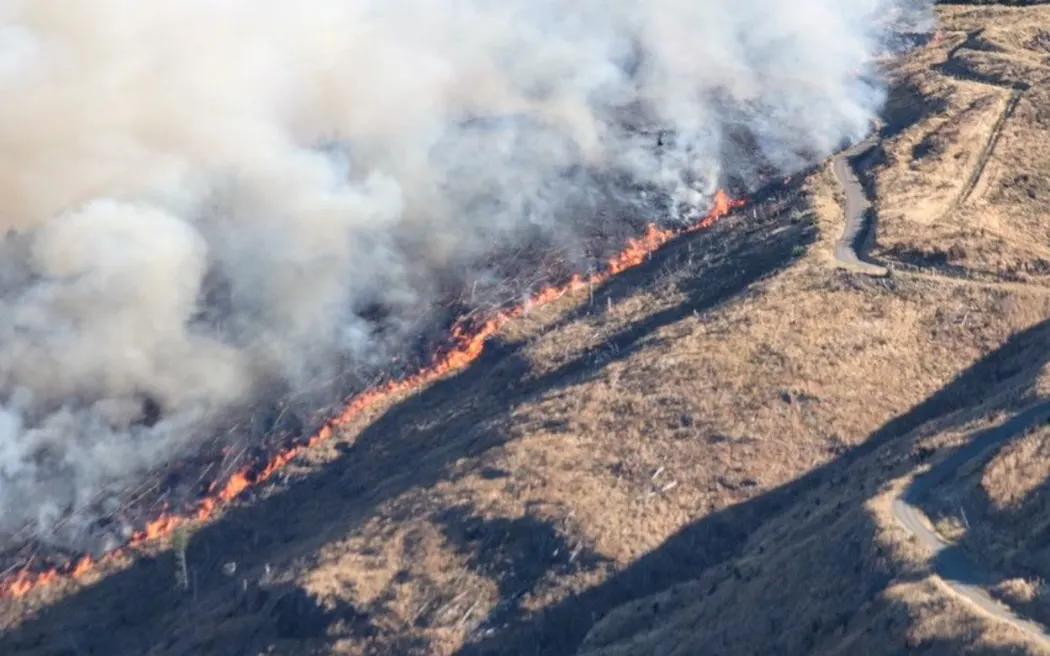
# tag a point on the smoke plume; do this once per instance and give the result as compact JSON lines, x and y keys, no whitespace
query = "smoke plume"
{"x":204,"y":201}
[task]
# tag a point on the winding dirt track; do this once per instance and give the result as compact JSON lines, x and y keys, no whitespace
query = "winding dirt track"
{"x":856,"y":208}
{"x":949,"y":562}
{"x":953,"y":566}
{"x":856,"y":212}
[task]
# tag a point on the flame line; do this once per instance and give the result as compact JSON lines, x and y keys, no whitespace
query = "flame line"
{"x":466,"y":344}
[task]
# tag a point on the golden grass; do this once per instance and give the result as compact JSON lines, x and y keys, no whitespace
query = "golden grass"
{"x":999,"y":227}
{"x":658,"y":433}
{"x":1014,"y":473}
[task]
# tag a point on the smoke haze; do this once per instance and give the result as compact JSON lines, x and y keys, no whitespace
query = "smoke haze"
{"x":205,"y":200}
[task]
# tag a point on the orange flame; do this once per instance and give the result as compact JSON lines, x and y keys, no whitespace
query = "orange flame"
{"x":467,"y":343}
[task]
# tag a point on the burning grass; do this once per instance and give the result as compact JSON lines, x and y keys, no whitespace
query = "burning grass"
{"x":598,"y":452}
{"x":394,"y":453}
{"x":702,"y":456}
{"x":466,"y":341}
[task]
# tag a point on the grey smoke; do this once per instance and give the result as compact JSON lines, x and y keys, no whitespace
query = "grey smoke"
{"x":200,"y":198}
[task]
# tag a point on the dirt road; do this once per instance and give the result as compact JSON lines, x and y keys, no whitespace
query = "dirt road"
{"x":855,"y":209}
{"x":950,"y":563}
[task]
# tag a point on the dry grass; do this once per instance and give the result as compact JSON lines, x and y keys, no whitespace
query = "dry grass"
{"x":1018,"y":592}
{"x":681,"y":456}
{"x":1015,"y":473}
{"x":927,"y":211}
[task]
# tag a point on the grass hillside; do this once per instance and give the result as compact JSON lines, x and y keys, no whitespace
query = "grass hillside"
{"x":696,"y":458}
{"x":963,"y":197}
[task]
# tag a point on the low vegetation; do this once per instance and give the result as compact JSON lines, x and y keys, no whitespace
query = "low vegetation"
{"x":697,"y":457}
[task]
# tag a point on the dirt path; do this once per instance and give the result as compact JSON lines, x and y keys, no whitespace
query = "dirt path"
{"x":856,"y":213}
{"x":856,"y":209}
{"x":1015,"y":89}
{"x":962,"y":281}
{"x":963,"y":576}
{"x":987,"y":150}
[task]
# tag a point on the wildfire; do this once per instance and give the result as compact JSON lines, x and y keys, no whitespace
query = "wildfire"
{"x":467,"y":342}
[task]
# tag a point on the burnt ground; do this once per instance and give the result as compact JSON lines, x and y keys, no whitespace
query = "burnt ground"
{"x":138,"y":609}
{"x":248,"y":440}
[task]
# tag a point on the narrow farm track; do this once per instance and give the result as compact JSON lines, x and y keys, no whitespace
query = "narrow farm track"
{"x":856,"y":206}
{"x":856,"y":209}
{"x":986,"y":152}
{"x":955,"y":568}
{"x":1016,"y":91}
{"x":963,"y":281}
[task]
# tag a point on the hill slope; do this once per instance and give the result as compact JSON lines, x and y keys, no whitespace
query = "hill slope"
{"x":698,"y":457}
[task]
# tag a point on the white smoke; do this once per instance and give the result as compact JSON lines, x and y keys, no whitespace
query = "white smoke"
{"x":200,"y":196}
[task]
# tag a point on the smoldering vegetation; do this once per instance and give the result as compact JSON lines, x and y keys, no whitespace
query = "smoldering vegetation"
{"x":212,"y":205}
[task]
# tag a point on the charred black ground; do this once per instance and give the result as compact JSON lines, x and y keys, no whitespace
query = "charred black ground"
{"x":249,"y":441}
